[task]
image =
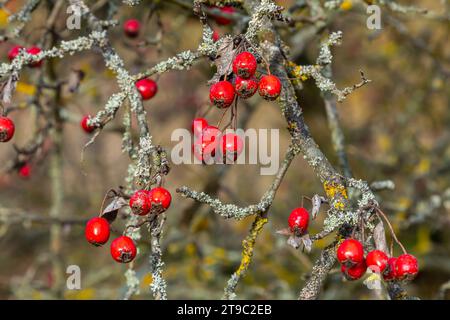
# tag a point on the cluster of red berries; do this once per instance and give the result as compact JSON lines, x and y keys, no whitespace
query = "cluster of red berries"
{"x":350,"y":254}
{"x":123,"y":248}
{"x":14,"y":52}
{"x":209,"y":142}
{"x":222,"y":93}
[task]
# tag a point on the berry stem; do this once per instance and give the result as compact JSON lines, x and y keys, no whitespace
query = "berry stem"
{"x":378,"y":210}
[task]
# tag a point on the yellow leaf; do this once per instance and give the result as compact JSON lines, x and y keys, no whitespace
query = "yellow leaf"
{"x":3,"y":19}
{"x":346,"y":5}
{"x":84,"y":294}
{"x":26,"y":88}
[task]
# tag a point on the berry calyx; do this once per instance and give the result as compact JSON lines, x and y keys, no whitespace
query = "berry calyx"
{"x":406,"y":267}
{"x":132,"y":27}
{"x":14,"y":52}
{"x":269,"y":87}
{"x":390,"y":273}
{"x":25,"y":171}
{"x":140,"y":203}
{"x":355,"y":272}
{"x":377,"y":261}
{"x":350,"y":252}
{"x":198,"y":125}
{"x":84,"y":124}
{"x":7,"y":129}
{"x":245,"y":88}
{"x":221,"y":94}
{"x":147,"y":88}
{"x":224,"y":20}
{"x":123,"y":249}
{"x":298,"y":221}
{"x":35,"y":51}
{"x":97,"y":231}
{"x":160,"y":196}
{"x":231,"y":146}
{"x":244,"y":65}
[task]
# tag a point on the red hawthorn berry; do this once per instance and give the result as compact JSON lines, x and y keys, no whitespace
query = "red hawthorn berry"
{"x":132,"y":27}
{"x":206,"y":144}
{"x":406,"y":267}
{"x":231,"y":146}
{"x":221,"y":94}
{"x":377,"y":261}
{"x":298,"y":221}
{"x":350,"y":251}
{"x":389,"y":274}
{"x":224,"y":20}
{"x":160,"y":196}
{"x":245,"y":88}
{"x":269,"y":87}
{"x":140,"y":203}
{"x":7,"y":129}
{"x":355,"y":272}
{"x":25,"y":171}
{"x":198,"y":125}
{"x":215,"y":36}
{"x":14,"y":52}
{"x":97,"y":231}
{"x":35,"y":51}
{"x":244,"y":65}
{"x":84,"y":124}
{"x":147,"y":88}
{"x":123,"y":249}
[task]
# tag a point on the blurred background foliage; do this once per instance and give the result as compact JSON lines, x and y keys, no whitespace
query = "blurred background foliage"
{"x":396,"y":128}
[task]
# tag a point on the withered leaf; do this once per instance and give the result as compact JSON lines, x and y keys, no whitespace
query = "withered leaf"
{"x":75,"y":78}
{"x":224,"y":59}
{"x":8,"y":88}
{"x":111,"y":210}
{"x":316,"y":203}
{"x":284,"y":232}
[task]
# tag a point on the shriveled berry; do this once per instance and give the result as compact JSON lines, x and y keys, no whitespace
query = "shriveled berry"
{"x":35,"y":51}
{"x":132,"y":27}
{"x":140,"y":203}
{"x":147,"y":88}
{"x":97,"y":231}
{"x":406,"y":267}
{"x":198,"y":125}
{"x":14,"y":52}
{"x":231,"y":146}
{"x":84,"y":124}
{"x":7,"y":129}
{"x":377,"y":261}
{"x":355,"y":272}
{"x":245,"y":88}
{"x":160,"y":196}
{"x":244,"y":65}
{"x":390,"y":272}
{"x":269,"y":87}
{"x":123,"y":249}
{"x":350,"y":251}
{"x":298,"y":221}
{"x":221,"y":94}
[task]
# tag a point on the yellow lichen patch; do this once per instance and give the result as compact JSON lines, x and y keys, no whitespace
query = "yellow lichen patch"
{"x":346,"y":5}
{"x":248,"y":244}
{"x":296,"y":71}
{"x":333,"y":189}
{"x":25,"y":88}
